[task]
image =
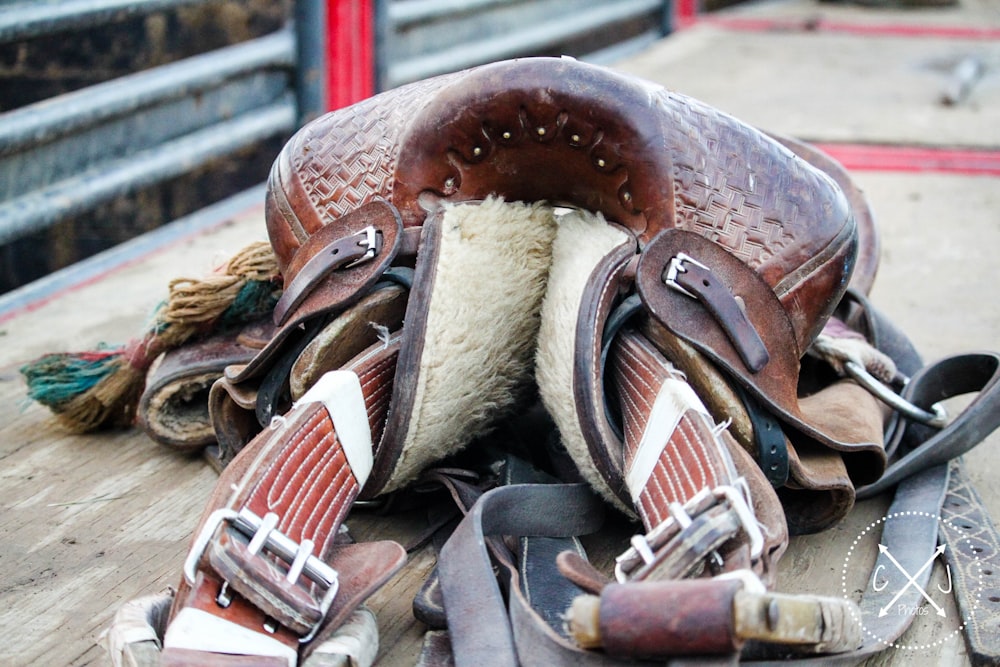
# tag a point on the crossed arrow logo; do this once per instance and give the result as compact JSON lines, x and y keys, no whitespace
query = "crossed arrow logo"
{"x":911,"y":580}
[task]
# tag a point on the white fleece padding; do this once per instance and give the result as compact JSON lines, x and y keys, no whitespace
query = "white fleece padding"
{"x":584,"y":239}
{"x":482,"y":326}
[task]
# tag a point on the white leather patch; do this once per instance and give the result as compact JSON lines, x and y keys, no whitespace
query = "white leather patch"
{"x":674,"y":398}
{"x":200,"y":631}
{"x":340,"y":392}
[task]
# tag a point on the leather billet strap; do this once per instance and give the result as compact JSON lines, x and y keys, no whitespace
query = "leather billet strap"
{"x":265,"y":572}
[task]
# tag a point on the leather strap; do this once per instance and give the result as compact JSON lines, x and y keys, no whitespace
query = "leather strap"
{"x":266,"y":568}
{"x":691,"y":277}
{"x":477,"y":620}
{"x":972,"y":549}
{"x":345,"y":252}
{"x":953,"y":376}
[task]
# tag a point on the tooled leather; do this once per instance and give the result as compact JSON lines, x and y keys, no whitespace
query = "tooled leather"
{"x":726,"y":180}
{"x":689,"y":461}
{"x":303,"y":476}
{"x":299,"y":472}
{"x":307,"y":481}
{"x":973,"y":552}
{"x":339,"y":163}
{"x":637,"y":369}
{"x":376,"y":369}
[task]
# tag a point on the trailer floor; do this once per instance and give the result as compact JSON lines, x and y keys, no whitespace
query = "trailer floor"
{"x":89,"y":522}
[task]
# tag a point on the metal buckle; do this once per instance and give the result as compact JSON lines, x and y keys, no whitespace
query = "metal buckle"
{"x":677,"y":267}
{"x":371,"y":242}
{"x":938,"y":418}
{"x":264,"y":537}
{"x":736,"y":494}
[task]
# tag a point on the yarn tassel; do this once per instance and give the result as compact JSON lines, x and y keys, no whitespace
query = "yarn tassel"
{"x":99,"y":389}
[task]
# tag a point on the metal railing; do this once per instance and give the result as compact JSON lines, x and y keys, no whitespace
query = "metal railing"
{"x":422,"y":38}
{"x":70,"y":153}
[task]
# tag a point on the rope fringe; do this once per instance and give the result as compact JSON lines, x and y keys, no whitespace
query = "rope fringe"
{"x":101,"y":389}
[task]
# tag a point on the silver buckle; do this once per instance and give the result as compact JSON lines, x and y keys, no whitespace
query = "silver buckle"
{"x":937,"y":418}
{"x":370,"y":243}
{"x":264,"y":537}
{"x":677,"y":267}
{"x":736,"y":493}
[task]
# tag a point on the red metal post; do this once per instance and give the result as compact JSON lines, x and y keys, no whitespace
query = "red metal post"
{"x":350,"y":51}
{"x":685,"y":13}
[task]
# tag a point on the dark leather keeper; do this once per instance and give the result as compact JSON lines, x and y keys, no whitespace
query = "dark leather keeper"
{"x":665,"y":618}
{"x":772,"y":448}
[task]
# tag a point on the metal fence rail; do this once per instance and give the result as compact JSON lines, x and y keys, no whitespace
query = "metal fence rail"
{"x":24,"y":20}
{"x":68,"y":154}
{"x":422,"y":38}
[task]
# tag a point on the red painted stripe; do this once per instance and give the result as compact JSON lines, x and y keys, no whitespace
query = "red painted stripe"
{"x":350,"y":52}
{"x":844,"y":27}
{"x":868,"y":157}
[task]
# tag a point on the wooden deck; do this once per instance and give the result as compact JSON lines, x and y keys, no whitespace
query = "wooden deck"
{"x":89,"y":522}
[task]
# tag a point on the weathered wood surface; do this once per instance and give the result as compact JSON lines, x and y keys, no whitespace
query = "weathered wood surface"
{"x":88,"y":522}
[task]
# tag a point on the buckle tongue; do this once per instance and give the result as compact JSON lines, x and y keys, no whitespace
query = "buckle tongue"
{"x":371,"y":241}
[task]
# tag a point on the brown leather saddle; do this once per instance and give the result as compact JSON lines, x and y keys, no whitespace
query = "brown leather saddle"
{"x":784,"y":236}
{"x":541,"y":232}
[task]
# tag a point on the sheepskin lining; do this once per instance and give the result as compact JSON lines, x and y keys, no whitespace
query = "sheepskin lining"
{"x":482,"y":326}
{"x":503,"y":314}
{"x":583,"y":240}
